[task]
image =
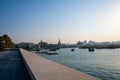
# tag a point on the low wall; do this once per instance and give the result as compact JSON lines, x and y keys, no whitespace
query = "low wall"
{"x":43,"y":69}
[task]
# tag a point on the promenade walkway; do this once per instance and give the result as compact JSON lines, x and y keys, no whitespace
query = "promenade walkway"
{"x":12,"y":66}
{"x":44,"y":69}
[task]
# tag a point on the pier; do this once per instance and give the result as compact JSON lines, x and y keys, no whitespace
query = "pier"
{"x":29,"y":66}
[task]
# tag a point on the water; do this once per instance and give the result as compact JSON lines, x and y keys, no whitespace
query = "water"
{"x":103,"y":63}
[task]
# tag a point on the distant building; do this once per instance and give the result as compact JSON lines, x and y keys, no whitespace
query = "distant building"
{"x":27,"y":45}
{"x":79,"y":43}
{"x":59,"y":42}
{"x":43,"y":44}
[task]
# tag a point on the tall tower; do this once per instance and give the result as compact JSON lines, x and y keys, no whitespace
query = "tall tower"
{"x":59,"y":42}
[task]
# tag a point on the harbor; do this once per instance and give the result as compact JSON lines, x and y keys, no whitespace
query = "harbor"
{"x":59,"y":39}
{"x":101,"y":63}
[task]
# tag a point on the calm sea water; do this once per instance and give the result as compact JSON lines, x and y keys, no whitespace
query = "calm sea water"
{"x":103,"y":63}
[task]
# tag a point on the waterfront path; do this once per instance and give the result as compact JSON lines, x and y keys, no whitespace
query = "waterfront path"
{"x":44,"y":69}
{"x":12,"y":66}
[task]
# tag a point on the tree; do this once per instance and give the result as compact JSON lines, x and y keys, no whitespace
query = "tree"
{"x":8,"y":41}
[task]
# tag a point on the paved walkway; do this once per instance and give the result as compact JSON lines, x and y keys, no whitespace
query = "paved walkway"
{"x":12,"y":66}
{"x":44,"y":69}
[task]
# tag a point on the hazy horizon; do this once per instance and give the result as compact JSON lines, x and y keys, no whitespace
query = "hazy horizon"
{"x":69,"y":20}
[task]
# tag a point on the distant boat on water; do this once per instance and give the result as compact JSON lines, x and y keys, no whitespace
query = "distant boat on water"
{"x":72,"y":49}
{"x":91,"y":49}
{"x":53,"y":49}
{"x":42,"y":51}
{"x":47,"y":52}
{"x":51,"y":53}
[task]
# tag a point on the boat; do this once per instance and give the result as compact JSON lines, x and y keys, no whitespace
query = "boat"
{"x":51,"y":53}
{"x":53,"y":49}
{"x":91,"y":49}
{"x":72,"y":49}
{"x":42,"y":51}
{"x":46,"y":51}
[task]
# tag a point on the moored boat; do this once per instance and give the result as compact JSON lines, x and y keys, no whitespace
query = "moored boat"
{"x":51,"y":53}
{"x":53,"y":49}
{"x":72,"y":49}
{"x":91,"y":49}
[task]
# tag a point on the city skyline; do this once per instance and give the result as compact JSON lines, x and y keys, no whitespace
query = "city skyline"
{"x":69,"y":20}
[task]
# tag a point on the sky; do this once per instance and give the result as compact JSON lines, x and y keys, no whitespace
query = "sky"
{"x":67,"y":20}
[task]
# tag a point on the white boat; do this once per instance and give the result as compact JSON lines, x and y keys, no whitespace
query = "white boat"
{"x":46,"y":51}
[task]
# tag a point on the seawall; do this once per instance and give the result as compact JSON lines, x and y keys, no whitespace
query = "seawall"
{"x":43,"y":69}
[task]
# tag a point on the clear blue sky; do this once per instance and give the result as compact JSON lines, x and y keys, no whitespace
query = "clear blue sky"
{"x":69,"y":20}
